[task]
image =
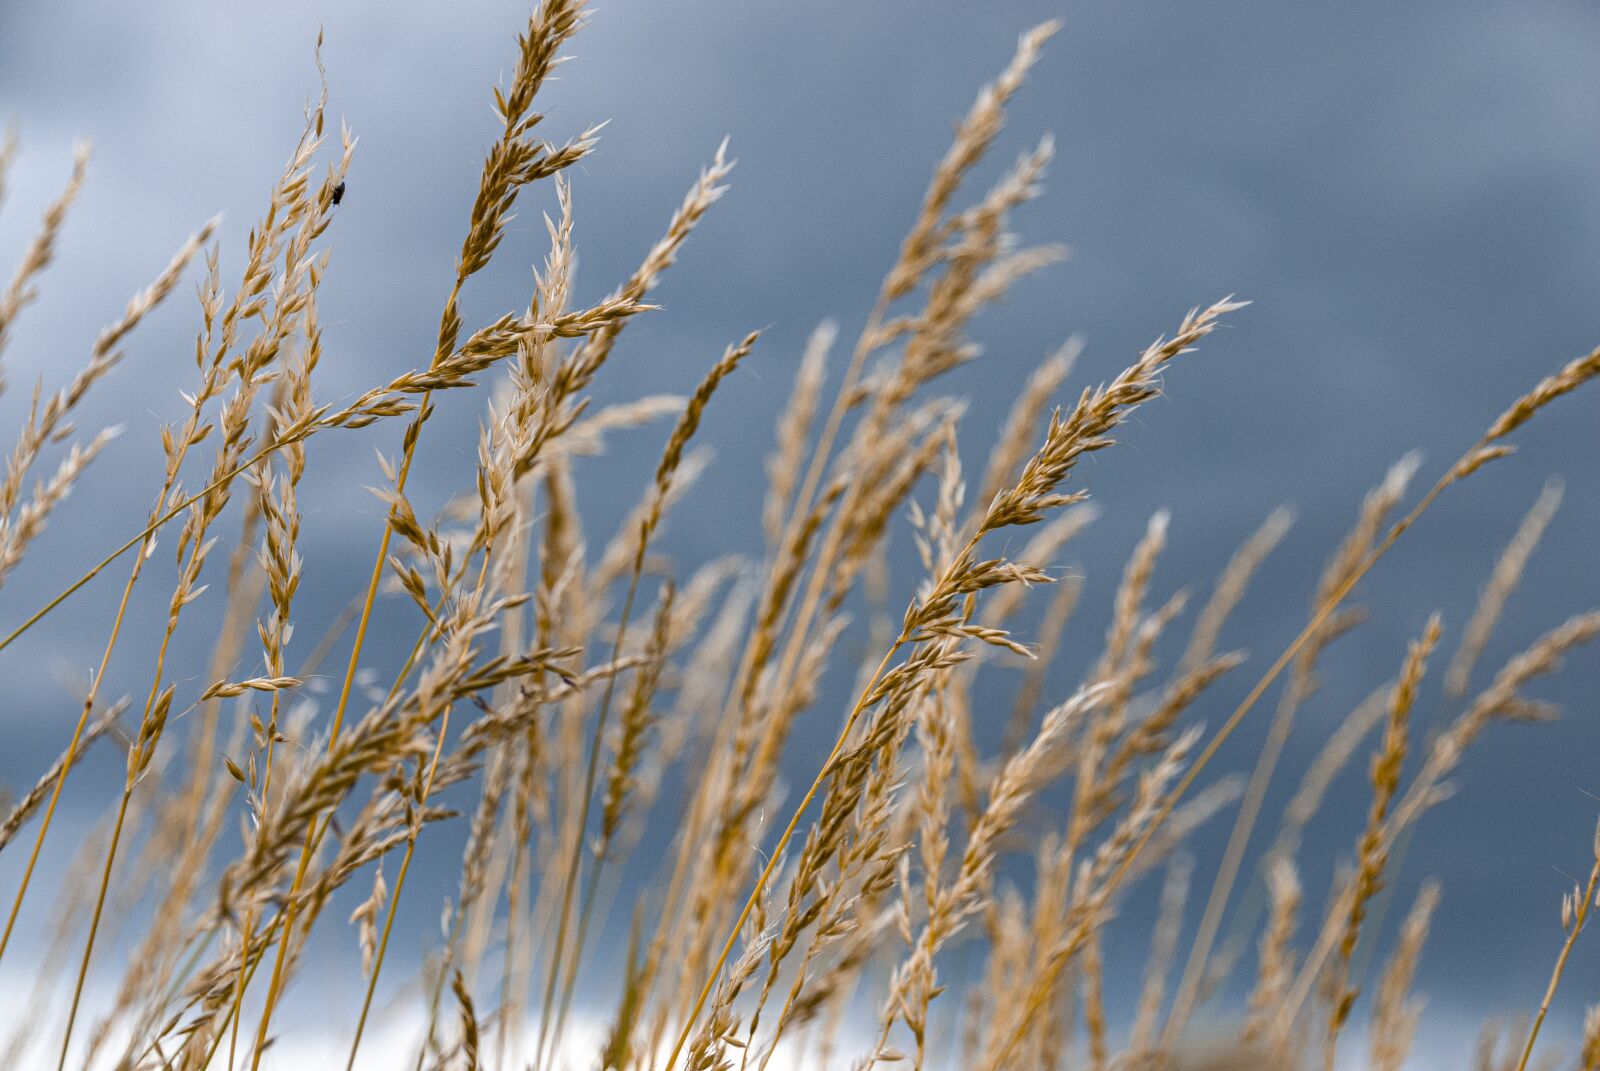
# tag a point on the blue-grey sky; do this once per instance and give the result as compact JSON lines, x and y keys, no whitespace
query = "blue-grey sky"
{"x":1409,"y":194}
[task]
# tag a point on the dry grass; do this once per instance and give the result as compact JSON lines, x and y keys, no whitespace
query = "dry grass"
{"x":914,"y":904}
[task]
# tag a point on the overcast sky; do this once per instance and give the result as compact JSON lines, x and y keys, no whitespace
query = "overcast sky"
{"x":1409,"y":194}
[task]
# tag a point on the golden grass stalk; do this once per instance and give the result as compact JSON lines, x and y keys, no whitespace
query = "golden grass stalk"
{"x":1331,"y":759}
{"x":1502,"y":582}
{"x":1063,"y":602}
{"x":1394,"y":1011}
{"x":1021,"y":428}
{"x":469,"y":1022}
{"x":1590,"y":1054}
{"x":26,"y":804}
{"x":666,"y":470}
{"x":41,"y":250}
{"x":1231,"y":586}
{"x":1372,"y":857}
{"x":1574,"y":914}
{"x":1275,"y":965}
{"x":10,"y":144}
{"x":784,"y":467}
{"x":45,"y":421}
{"x":281,"y":563}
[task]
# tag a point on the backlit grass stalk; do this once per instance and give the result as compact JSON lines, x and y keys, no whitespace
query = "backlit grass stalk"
{"x":105,"y":349}
{"x":1574,"y":914}
{"x":516,"y":160}
{"x":671,"y":458}
{"x":308,"y":216}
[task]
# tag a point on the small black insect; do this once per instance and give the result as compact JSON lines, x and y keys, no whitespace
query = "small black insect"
{"x":338,"y":193}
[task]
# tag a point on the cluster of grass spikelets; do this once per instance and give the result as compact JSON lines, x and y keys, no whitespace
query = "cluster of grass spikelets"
{"x":566,"y":696}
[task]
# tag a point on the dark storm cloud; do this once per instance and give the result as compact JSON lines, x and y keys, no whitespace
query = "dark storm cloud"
{"x":1410,"y":194}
